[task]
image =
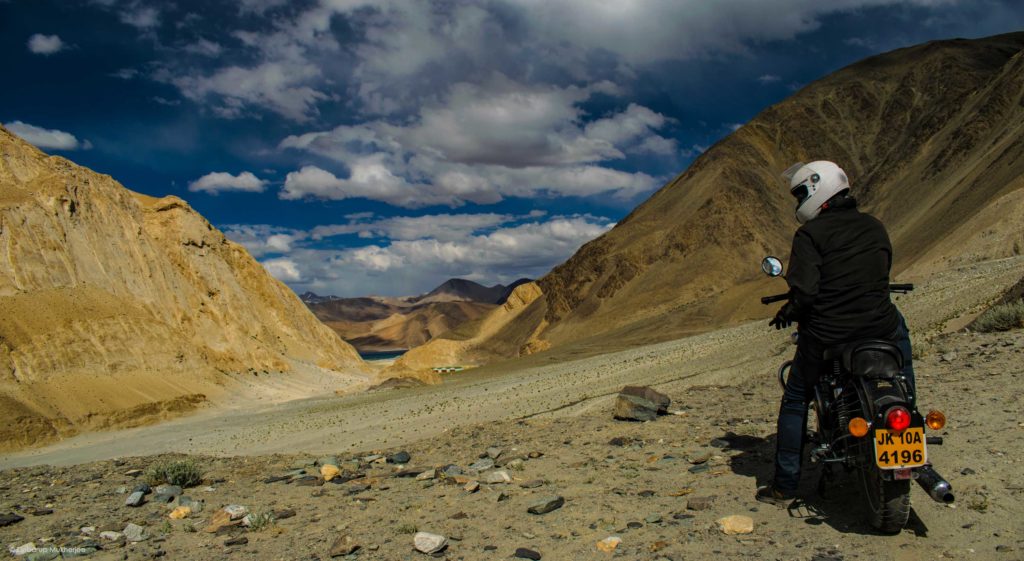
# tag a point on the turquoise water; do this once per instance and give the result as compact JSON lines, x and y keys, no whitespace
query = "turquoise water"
{"x":386,"y":355}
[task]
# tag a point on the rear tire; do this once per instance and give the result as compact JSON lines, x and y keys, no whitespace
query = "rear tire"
{"x":888,"y":501}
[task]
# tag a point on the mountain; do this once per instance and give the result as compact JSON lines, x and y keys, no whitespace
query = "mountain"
{"x":310,"y":297}
{"x":381,"y":324}
{"x":117,"y":308}
{"x":932,"y":137}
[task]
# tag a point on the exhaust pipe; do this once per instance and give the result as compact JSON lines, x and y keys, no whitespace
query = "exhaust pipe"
{"x":937,"y":488}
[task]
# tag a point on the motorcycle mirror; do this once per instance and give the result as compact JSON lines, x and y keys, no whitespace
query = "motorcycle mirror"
{"x":772,"y":266}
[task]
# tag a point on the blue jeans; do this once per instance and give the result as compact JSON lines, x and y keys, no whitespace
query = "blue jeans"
{"x":803,"y":376}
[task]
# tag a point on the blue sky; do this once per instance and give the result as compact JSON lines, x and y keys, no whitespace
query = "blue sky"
{"x":383,"y":147}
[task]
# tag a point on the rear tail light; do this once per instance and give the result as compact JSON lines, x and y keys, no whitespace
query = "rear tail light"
{"x":935,"y":420}
{"x":898,"y":418}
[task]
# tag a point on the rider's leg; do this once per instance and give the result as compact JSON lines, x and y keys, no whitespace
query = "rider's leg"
{"x":903,"y":342}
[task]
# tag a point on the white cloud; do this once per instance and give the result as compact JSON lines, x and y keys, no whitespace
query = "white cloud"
{"x":768,"y":78}
{"x":498,"y":253}
{"x":445,"y":227}
{"x":204,"y":47}
{"x":285,"y":270}
{"x":259,"y":6}
{"x":217,"y":182}
{"x":125,"y":73}
{"x":273,"y":85}
{"x":45,"y":44}
{"x":47,"y":139}
{"x":140,"y":17}
{"x":483,"y":143}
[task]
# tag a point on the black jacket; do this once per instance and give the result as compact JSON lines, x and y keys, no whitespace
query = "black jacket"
{"x":839,"y":276}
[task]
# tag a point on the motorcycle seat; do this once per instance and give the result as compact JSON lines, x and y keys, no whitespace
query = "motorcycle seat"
{"x":871,"y":358}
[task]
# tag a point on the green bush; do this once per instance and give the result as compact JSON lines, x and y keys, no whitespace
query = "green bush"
{"x":183,"y":473}
{"x":1002,"y":317}
{"x":261,"y":521}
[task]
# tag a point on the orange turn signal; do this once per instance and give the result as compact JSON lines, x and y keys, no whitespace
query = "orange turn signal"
{"x":935,"y":420}
{"x":858,"y":427}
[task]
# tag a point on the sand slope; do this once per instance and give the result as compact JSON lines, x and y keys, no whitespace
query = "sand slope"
{"x":117,"y":308}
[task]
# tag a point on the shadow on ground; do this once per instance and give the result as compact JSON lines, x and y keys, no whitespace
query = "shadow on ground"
{"x":838,"y":503}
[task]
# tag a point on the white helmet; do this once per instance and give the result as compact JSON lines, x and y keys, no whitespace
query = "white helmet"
{"x":813,"y":185}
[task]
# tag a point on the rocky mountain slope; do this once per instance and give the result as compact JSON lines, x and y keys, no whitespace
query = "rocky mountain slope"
{"x":116,"y":308}
{"x":384,"y":324}
{"x":932,"y":138}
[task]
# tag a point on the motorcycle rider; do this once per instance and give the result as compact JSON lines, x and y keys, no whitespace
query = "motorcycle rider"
{"x":839,"y":292}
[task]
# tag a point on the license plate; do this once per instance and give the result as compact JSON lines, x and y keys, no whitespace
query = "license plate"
{"x":898,"y":450}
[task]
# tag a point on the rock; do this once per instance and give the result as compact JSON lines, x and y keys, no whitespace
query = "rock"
{"x":111,"y":536}
{"x":609,"y":544}
{"x":493,"y":452}
{"x":329,"y":472}
{"x":967,"y":471}
{"x":532,"y":484}
{"x":482,"y":465}
{"x":284,"y":514}
{"x":719,"y":443}
{"x":409,"y":472}
{"x":240,"y":540}
{"x":142,"y":488}
{"x":653,"y":519}
{"x":10,"y":518}
{"x":646,"y":493}
{"x":133,"y":472}
{"x":451,"y":470}
{"x":399,"y":458}
{"x":699,"y":468}
{"x":45,"y":554}
{"x":309,"y":481}
{"x":197,"y":505}
{"x":135,"y":533}
{"x":546,"y":505}
{"x":535,"y":454}
{"x":344,"y":545}
{"x":35,"y":511}
{"x":660,"y":400}
{"x":736,"y":524}
{"x":632,"y":408}
{"x":429,"y":474}
{"x":515,"y":463}
{"x":634,"y":525}
{"x":88,"y":530}
{"x":497,"y":477}
{"x":235,"y":512}
{"x":135,"y":499}
{"x":172,"y":490}
{"x":523,"y":553}
{"x":472,"y":486}
{"x":503,"y":497}
{"x":699,"y":458}
{"x":948,"y":357}
{"x":180,"y":513}
{"x":428,"y":543}
{"x":23,"y":549}
{"x":328,"y":461}
{"x":163,"y":498}
{"x":700,"y":503}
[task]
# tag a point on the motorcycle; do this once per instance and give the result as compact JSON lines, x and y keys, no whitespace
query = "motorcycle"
{"x":868,"y":422}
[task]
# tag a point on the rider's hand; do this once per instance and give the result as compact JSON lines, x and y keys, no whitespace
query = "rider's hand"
{"x":784,"y":318}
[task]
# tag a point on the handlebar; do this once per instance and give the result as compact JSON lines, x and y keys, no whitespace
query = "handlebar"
{"x":901,"y":288}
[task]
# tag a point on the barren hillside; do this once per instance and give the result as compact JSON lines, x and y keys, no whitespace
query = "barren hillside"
{"x":117,"y":308}
{"x":384,"y":324}
{"x":932,"y":137}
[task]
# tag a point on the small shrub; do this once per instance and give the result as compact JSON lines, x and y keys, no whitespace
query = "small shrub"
{"x":166,"y":528}
{"x":1002,"y":317}
{"x":407,"y":529}
{"x":183,"y":473}
{"x":261,"y":521}
{"x":188,"y":528}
